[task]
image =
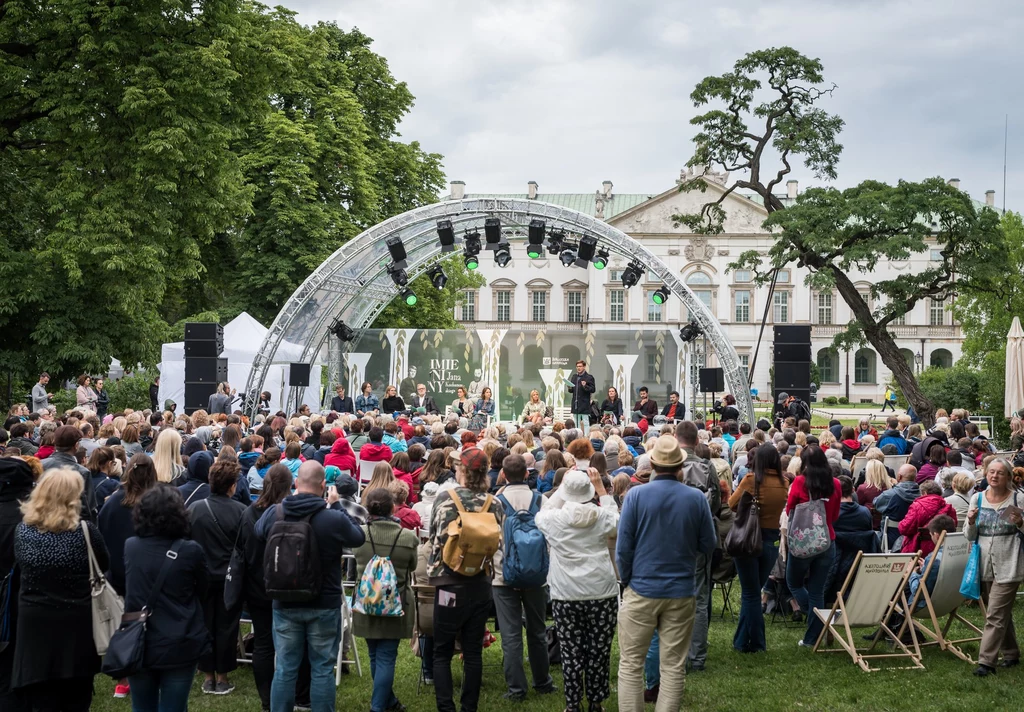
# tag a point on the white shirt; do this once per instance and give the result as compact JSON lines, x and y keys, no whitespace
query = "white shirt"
{"x":577,"y":534}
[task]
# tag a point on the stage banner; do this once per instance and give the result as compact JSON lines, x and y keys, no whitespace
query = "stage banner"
{"x":512,"y":362}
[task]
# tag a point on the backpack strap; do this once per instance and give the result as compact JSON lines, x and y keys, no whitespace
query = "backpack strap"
{"x":194,"y":493}
{"x":535,"y":503}
{"x":458,"y":503}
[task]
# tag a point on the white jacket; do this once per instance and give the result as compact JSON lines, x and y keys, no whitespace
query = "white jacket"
{"x":577,"y":534}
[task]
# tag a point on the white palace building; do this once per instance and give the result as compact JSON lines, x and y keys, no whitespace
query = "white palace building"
{"x":529,"y":295}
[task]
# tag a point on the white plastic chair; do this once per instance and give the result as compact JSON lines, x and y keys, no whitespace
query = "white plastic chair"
{"x":346,"y":625}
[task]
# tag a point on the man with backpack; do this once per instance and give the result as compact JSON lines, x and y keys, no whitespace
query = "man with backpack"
{"x":465,"y":536}
{"x":698,"y":473}
{"x":302,"y":572}
{"x":520,"y":574}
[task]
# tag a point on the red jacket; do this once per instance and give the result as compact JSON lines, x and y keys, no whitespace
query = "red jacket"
{"x":374,"y":452}
{"x":798,"y":494}
{"x":408,"y":517}
{"x":913,"y":526}
{"x":407,"y":478}
{"x":407,"y":429}
{"x":342,"y":456}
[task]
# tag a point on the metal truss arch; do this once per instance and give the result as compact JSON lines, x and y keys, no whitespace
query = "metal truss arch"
{"x":353,"y":284}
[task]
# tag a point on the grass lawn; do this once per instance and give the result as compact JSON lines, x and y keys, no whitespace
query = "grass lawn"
{"x":783,"y":679}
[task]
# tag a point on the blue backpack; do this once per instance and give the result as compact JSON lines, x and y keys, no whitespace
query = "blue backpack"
{"x":525,"y":553}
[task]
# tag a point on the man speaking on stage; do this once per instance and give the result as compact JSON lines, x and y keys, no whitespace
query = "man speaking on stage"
{"x":581,"y":385}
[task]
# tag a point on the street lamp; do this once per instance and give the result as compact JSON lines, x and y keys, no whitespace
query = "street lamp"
{"x":919,"y":360}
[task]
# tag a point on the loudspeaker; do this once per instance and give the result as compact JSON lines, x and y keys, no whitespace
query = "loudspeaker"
{"x":203,"y":348}
{"x":790,"y":375}
{"x":203,"y":331}
{"x":793,"y":334}
{"x":298,"y":374}
{"x":206,"y":370}
{"x":197,"y":396}
{"x":792,"y":352}
{"x":712,"y":380}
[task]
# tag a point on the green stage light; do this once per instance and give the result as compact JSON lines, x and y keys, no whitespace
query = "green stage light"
{"x":471,"y":261}
{"x":661,"y":296}
{"x":409,"y":297}
{"x":601,"y":261}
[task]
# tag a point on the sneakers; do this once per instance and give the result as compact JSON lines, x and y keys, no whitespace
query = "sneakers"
{"x":1009,"y":663}
{"x":209,"y":687}
{"x":984,"y":671}
{"x":651,"y":695}
{"x":428,"y":680}
{"x":121,"y":691}
{"x":217,"y":688}
{"x":514,"y":696}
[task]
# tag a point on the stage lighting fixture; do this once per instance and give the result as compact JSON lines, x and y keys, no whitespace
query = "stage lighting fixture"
{"x":661,"y":296}
{"x":631,"y":275}
{"x":446,"y":234}
{"x":437,"y":277}
{"x":471,"y":261}
{"x":397,"y":249}
{"x":568,"y":256}
{"x":408,"y":297}
{"x":535,"y":246}
{"x":342,"y":331}
{"x":492,"y":231}
{"x":502,"y":254}
{"x":471,"y":249}
{"x":585,"y":251}
{"x":556,"y":238}
{"x":601,"y":261}
{"x":690,"y":332}
{"x":398,"y":275}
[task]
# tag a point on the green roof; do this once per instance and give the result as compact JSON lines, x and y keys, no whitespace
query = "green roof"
{"x":582,"y":202}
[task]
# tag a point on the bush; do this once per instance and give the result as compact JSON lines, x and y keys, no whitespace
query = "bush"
{"x":950,"y":388}
{"x":129,"y":392}
{"x":843,"y":400}
{"x":64,"y":400}
{"x":830,"y":400}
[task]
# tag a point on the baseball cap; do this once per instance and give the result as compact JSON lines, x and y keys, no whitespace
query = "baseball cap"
{"x":472,"y":458}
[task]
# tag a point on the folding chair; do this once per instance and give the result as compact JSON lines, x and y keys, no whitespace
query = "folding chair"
{"x":723,"y":575}
{"x":243,"y":657}
{"x":424,"y":621}
{"x":365,"y":474}
{"x":895,"y":462}
{"x":857,"y":466}
{"x":346,"y":627}
{"x":945,"y":599}
{"x":869,"y":597}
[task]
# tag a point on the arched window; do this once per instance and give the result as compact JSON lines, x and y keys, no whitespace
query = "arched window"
{"x":828,"y":365}
{"x":698,"y":279}
{"x":941,"y":358}
{"x":864,"y":366}
{"x":700,"y":284}
{"x":908,"y":356}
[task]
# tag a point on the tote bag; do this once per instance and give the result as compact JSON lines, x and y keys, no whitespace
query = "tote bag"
{"x":970,"y":584}
{"x":744,"y":539}
{"x":107,"y":606}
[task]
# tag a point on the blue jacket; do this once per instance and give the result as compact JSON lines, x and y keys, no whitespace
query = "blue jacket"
{"x":894,"y":437}
{"x":663,"y":528}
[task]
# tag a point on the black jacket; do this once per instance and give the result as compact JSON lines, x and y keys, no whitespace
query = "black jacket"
{"x":154,"y":397}
{"x":251,"y":548}
{"x":65,"y":460}
{"x":342,"y":405}
{"x":115,"y":523}
{"x":215,"y":524}
{"x":334,"y":530}
{"x":392,"y":404}
{"x":26,"y":445}
{"x":648,"y":410}
{"x":102,"y":402}
{"x":581,"y":388}
{"x":15,"y":487}
{"x":176,"y":632}
{"x":680,"y":411}
{"x":614,"y":408}
{"x":427,"y":403}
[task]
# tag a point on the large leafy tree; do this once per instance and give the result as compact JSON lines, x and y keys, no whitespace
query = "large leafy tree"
{"x":765,"y":119}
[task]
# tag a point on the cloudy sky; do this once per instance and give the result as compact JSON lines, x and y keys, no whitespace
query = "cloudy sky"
{"x":572,"y":92}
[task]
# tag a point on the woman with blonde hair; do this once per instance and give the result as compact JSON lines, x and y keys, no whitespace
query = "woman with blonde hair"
{"x":167,"y":457}
{"x":825,"y":440}
{"x":383,"y":476}
{"x":55,"y":657}
{"x":534,"y":409}
{"x":876,"y":481}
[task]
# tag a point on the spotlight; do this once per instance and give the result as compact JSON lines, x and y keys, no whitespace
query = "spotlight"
{"x":690,"y":332}
{"x":502,"y":254}
{"x":568,"y":256}
{"x":471,"y":249}
{"x":397,"y":249}
{"x":535,"y":247}
{"x":446,"y":234}
{"x":631,"y":275}
{"x":661,"y":296}
{"x":408,"y":296}
{"x":342,"y":331}
{"x":398,"y":275}
{"x":556,"y":238}
{"x":492,"y":231}
{"x":585,"y":252}
{"x":601,"y":261}
{"x":471,"y":261}
{"x":437,"y":277}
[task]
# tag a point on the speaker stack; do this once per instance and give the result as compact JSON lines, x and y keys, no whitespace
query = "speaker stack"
{"x":204,"y":368}
{"x":792,"y":352}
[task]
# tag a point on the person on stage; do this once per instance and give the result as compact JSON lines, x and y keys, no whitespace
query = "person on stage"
{"x":422,"y":400}
{"x":675,"y":410}
{"x":367,"y":403}
{"x":535,"y":409}
{"x":612,"y":405}
{"x":392,"y":402}
{"x":645,"y":408}
{"x":462,"y":405}
{"x":581,"y":385}
{"x":341,"y":403}
{"x":484,"y":407}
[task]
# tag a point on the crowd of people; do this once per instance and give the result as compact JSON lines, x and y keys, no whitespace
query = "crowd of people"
{"x":431,"y":527}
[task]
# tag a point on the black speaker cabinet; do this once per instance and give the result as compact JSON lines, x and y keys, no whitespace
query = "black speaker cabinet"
{"x":197,"y":396}
{"x":203,"y":331}
{"x":712,"y":380}
{"x":206,"y":370}
{"x":203,"y":348}
{"x":793,"y":334}
{"x":792,"y":375}
{"x":298,"y":374}
{"x":792,"y":352}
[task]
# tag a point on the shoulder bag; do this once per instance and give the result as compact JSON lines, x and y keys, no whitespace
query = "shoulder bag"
{"x":107,"y":606}
{"x":970,"y":584}
{"x":128,"y":645}
{"x":744,"y":539}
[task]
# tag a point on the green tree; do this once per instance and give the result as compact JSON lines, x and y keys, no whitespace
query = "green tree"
{"x":830,"y":232}
{"x":434,"y":308}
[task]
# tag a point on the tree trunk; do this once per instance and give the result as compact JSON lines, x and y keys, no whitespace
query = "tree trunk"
{"x":887,"y":349}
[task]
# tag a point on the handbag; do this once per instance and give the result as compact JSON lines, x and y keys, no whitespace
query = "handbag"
{"x":970,"y":584}
{"x":744,"y":539}
{"x":107,"y":606}
{"x":128,"y":645}
{"x":234,"y":581}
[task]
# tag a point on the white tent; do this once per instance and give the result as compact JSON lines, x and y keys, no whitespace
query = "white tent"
{"x":242,"y":339}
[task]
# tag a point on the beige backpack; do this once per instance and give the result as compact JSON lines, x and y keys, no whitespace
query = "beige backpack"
{"x":473,"y":539}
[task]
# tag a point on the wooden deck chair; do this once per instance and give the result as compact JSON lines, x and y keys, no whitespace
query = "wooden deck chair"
{"x":895,"y":462}
{"x":857,"y":466}
{"x":424,"y":621}
{"x":944,"y":600}
{"x":868,"y":598}
{"x":365,"y":474}
{"x":348,"y":589}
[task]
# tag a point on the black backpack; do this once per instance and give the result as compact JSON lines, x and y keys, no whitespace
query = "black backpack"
{"x":291,"y":561}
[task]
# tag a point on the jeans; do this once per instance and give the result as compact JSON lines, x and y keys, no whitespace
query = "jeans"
{"x":752,"y":572}
{"x":806,"y":579}
{"x":297,"y":630}
{"x":510,"y":605}
{"x":467,"y":621}
{"x":638,"y":618}
{"x":582,"y":421}
{"x":162,"y":690}
{"x":427,"y":656}
{"x":698,"y":654}
{"x":383,"y":654}
{"x":652,"y":672}
{"x":262,"y":618}
{"x":890,"y":404}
